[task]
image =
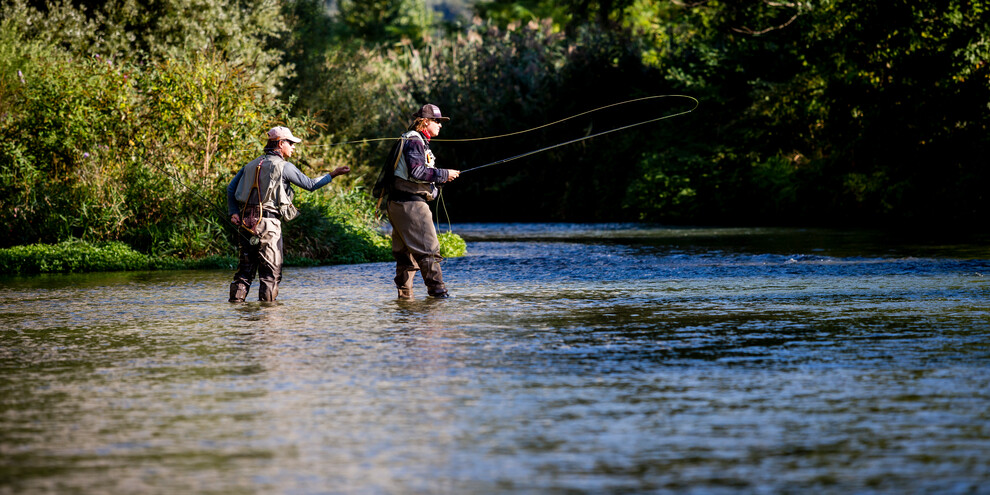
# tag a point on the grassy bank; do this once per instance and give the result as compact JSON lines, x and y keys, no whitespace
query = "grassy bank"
{"x":77,"y":256}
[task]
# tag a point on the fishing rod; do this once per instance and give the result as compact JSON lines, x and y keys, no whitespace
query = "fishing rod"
{"x":303,"y":161}
{"x":516,"y":133}
{"x":565,"y":143}
{"x":572,"y":141}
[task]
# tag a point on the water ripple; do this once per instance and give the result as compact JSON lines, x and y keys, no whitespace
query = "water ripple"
{"x":573,"y":358}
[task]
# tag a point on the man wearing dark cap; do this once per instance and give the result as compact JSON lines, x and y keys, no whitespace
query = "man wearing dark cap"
{"x":414,"y":238}
{"x":259,"y":198}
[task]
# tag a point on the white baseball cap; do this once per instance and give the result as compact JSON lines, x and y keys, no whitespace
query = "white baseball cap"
{"x":279,"y":133}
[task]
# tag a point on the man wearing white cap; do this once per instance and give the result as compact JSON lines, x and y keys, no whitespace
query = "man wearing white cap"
{"x":414,"y":239}
{"x":258,"y":199}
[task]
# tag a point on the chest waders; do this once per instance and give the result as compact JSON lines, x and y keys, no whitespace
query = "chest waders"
{"x":414,"y":239}
{"x":277,"y":197}
{"x":262,"y":252}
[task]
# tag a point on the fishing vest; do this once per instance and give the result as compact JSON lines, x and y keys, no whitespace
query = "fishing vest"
{"x":278,"y":198}
{"x":402,"y":170}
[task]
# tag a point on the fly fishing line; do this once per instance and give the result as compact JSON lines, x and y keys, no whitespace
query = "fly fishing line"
{"x":533,"y":129}
{"x":583,"y":138}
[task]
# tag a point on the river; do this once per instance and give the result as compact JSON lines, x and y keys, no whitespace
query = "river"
{"x":570,"y":359}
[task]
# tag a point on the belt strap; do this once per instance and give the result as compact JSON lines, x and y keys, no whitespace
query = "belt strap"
{"x":402,"y":196}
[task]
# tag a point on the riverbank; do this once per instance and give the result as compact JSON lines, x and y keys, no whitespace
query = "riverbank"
{"x":78,"y":256}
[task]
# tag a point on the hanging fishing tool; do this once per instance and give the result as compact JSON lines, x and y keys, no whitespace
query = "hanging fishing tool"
{"x":251,"y":212}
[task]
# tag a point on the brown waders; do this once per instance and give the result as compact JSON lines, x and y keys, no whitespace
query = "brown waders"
{"x":265,"y":258}
{"x":415,"y":248}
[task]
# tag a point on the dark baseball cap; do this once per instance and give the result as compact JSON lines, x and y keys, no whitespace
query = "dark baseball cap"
{"x":430,"y":111}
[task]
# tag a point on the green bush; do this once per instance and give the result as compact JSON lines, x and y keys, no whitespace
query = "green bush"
{"x":452,"y":245}
{"x":79,"y":256}
{"x":335,"y":226}
{"x":102,"y":150}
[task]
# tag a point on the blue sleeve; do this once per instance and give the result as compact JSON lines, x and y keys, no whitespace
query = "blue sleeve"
{"x":293,"y":175}
{"x":232,"y":206}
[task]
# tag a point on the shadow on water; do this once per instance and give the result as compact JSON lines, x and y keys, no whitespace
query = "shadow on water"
{"x":570,"y":359}
{"x":973,"y":244}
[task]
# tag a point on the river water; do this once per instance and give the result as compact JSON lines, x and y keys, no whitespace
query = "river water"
{"x":570,"y":359}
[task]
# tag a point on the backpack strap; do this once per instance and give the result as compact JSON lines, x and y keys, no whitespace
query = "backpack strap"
{"x":395,"y":165}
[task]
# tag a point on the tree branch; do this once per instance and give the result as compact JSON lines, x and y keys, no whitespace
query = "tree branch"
{"x":746,"y":30}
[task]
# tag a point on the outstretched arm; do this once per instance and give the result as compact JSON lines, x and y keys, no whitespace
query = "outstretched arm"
{"x":292,"y":174}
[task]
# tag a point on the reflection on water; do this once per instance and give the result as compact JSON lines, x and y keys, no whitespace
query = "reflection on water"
{"x":572,"y":358}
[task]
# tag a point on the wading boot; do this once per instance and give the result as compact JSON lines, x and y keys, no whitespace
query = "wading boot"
{"x":267,"y":290}
{"x":405,"y":272}
{"x":429,"y":267}
{"x":405,"y":293}
{"x":238,"y":292}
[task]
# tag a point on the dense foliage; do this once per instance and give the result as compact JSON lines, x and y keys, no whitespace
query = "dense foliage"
{"x":138,"y":147}
{"x":841,"y":112}
{"x":122,"y":121}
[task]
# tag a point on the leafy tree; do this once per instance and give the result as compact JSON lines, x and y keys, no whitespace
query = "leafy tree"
{"x":495,"y":81}
{"x":566,"y":14}
{"x":813,"y":112}
{"x":249,"y":33}
{"x":384,"y":21}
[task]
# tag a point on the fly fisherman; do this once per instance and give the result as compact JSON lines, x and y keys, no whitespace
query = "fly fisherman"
{"x":414,"y":239}
{"x":258,"y":199}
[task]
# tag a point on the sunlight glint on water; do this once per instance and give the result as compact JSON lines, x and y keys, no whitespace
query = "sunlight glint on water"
{"x":571,"y":358}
